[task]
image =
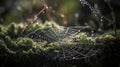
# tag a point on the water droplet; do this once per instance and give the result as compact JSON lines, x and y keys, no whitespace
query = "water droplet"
{"x":62,"y":15}
{"x":73,"y":57}
{"x":86,"y":23}
{"x":101,"y":20}
{"x":31,"y":36}
{"x":96,"y":6}
{"x":43,"y":12}
{"x":83,"y":2}
{"x":78,"y":30}
{"x":92,"y":31}
{"x":76,"y":15}
{"x":95,"y":15}
{"x":99,"y":29}
{"x":39,"y":36}
{"x":92,"y":35}
{"x":19,"y":8}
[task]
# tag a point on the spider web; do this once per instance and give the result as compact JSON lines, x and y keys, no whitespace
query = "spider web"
{"x":64,"y":35}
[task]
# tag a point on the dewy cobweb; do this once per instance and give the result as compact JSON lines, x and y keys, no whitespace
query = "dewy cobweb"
{"x":64,"y":36}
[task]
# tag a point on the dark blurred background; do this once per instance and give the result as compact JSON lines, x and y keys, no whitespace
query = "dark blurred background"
{"x":63,"y":12}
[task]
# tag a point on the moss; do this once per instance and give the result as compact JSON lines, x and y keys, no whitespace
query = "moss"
{"x":3,"y":47}
{"x":32,"y":27}
{"x":21,"y":49}
{"x":9,"y":43}
{"x":12,"y":32}
{"x":2,"y":35}
{"x":24,"y":43}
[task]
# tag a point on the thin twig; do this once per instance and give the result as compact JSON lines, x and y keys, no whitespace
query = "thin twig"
{"x":30,"y":21}
{"x":47,"y":10}
{"x":40,"y":12}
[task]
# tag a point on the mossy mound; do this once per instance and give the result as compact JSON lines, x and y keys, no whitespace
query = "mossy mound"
{"x":18,"y":50}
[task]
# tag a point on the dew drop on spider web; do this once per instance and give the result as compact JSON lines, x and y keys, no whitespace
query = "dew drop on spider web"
{"x":101,"y":19}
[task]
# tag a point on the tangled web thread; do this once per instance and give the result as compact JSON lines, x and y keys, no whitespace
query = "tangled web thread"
{"x":65,"y":36}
